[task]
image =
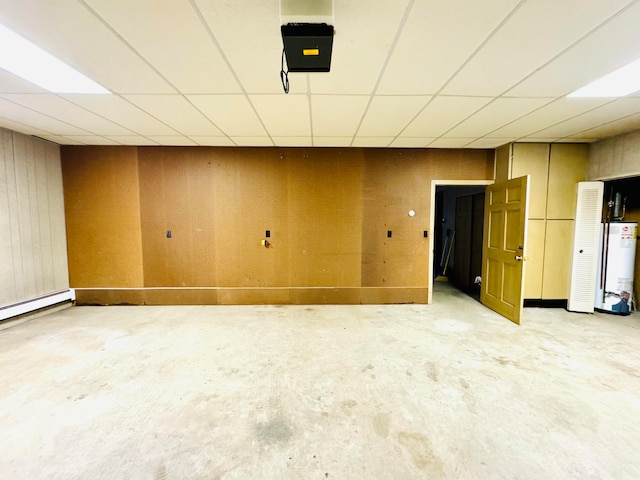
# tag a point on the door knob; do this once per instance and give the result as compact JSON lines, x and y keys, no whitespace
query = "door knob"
{"x":519,"y":258}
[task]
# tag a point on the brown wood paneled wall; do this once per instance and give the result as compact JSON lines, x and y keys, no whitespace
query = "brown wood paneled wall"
{"x":327,"y":210}
{"x":102,"y":213}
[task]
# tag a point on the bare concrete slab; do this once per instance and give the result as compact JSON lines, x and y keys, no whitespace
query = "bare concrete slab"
{"x":450,"y":390}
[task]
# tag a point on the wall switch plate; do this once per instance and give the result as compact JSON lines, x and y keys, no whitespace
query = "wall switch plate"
{"x":267,"y":233}
{"x":389,"y":233}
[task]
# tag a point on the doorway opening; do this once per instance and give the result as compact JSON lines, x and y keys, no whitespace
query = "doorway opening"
{"x":457,"y":220}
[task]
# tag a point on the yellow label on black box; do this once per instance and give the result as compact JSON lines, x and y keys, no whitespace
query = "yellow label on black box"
{"x":310,"y":51}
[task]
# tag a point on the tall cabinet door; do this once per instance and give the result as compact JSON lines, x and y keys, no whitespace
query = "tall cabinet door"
{"x":585,"y":247}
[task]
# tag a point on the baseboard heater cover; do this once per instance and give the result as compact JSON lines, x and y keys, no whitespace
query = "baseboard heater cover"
{"x":32,"y":305}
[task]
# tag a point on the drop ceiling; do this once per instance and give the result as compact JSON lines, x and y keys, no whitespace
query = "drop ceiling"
{"x":406,"y":73}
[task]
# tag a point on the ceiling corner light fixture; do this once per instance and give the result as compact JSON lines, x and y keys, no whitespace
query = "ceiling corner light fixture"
{"x":618,"y":83}
{"x":31,"y":63}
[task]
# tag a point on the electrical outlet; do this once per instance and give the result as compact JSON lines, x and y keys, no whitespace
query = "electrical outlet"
{"x":389,"y":233}
{"x":425,"y":234}
{"x":267,"y":233}
{"x":168,"y":233}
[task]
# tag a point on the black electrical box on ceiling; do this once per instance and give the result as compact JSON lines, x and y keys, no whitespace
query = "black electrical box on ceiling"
{"x":308,"y":46}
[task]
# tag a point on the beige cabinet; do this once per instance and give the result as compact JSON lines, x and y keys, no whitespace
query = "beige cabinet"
{"x":554,"y":170}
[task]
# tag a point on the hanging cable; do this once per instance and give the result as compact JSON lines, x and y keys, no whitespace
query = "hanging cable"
{"x":284,"y":76}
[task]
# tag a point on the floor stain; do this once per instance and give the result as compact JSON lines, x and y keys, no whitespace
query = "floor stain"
{"x":368,"y":367}
{"x":275,"y":431}
{"x":432,"y":371}
{"x":347,"y":405}
{"x":421,"y":451}
{"x":381,"y":424}
{"x":161,"y":473}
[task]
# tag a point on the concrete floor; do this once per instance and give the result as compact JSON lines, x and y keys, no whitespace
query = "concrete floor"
{"x":450,"y":390}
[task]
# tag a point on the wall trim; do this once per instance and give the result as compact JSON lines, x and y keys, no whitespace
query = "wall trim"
{"x":250,"y":295}
{"x":38,"y":303}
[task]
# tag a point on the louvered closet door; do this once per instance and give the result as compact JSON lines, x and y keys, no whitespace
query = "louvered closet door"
{"x":586,"y":241}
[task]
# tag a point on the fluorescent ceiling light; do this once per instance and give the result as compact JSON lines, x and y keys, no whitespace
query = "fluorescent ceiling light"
{"x":622,"y":82}
{"x":28,"y":61}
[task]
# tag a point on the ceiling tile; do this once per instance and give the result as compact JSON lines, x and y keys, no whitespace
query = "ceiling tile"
{"x":61,"y":140}
{"x":539,"y":139}
{"x":601,"y":52}
{"x":612,"y":111}
{"x":33,"y":119}
{"x":249,"y":33}
{"x":177,"y":112}
{"x":292,"y":141}
{"x":437,"y":39}
{"x":232,"y":114}
{"x":411,"y":142}
{"x":554,"y":112}
{"x":388,"y":115}
{"x":122,"y":112}
{"x":212,"y":141}
{"x":610,"y":129}
{"x":489,"y":142}
{"x":371,"y":141}
{"x":337,"y":115}
{"x":442,"y":114}
{"x":284,"y":115}
{"x":332,"y":141}
{"x":10,"y":83}
{"x":61,"y":109}
{"x":495,"y":115}
{"x":451,"y":142}
{"x":174,"y":140}
{"x":19,"y":127}
{"x":364,"y":35}
{"x":91,"y":140}
{"x":72,"y":33}
{"x":253,"y":141}
{"x":171,"y":37}
{"x":131,"y":140}
{"x":533,"y":35}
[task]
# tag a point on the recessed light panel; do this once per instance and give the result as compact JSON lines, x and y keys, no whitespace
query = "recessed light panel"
{"x":31,"y":63}
{"x":619,"y":83}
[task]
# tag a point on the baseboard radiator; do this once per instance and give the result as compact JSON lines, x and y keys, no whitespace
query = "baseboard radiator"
{"x":34,"y":304}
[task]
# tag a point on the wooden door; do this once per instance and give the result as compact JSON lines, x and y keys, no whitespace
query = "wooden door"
{"x":504,"y":249}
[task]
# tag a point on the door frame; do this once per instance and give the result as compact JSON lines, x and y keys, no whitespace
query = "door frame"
{"x":432,"y":220}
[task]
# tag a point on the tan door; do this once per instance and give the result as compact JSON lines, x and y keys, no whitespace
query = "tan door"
{"x":503,"y":249}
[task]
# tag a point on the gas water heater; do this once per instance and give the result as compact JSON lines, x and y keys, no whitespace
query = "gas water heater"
{"x":616,"y":261}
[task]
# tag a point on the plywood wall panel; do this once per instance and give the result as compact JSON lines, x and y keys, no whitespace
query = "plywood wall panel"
{"x":325,"y":206}
{"x":251,"y":196}
{"x":102,"y":207}
{"x":328,"y":211}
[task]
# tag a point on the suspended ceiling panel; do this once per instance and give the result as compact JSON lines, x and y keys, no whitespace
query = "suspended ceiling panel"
{"x":411,"y":73}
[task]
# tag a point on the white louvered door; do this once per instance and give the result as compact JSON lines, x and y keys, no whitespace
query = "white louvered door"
{"x":586,"y":241}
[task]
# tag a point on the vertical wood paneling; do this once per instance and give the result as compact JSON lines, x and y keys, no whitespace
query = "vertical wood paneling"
{"x":30,"y":227}
{"x":102,"y":208}
{"x":56,"y":217}
{"x":7,"y":277}
{"x":328,"y":211}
